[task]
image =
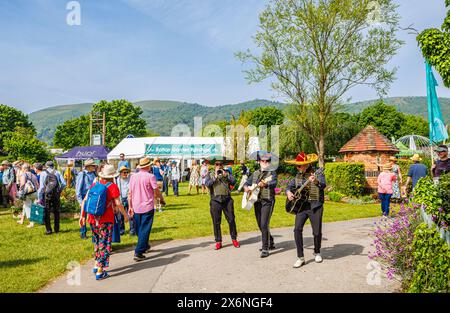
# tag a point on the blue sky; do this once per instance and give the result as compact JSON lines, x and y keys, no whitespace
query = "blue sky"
{"x":157,"y":49}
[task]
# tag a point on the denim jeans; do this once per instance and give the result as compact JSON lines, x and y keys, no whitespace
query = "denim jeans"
{"x":385,"y":202}
{"x":143,"y":223}
{"x":175,"y":186}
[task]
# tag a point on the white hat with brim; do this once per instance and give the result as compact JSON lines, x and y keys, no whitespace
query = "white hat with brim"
{"x":108,"y":171}
{"x":89,"y":162}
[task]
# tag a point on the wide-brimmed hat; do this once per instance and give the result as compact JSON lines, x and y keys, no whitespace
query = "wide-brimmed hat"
{"x":441,"y":148}
{"x":393,"y":158}
{"x":6,"y":162}
{"x":156,"y":160}
{"x":144,"y":162}
{"x":108,"y":171}
{"x":387,"y":167}
{"x":49,"y":164}
{"x":303,"y":159}
{"x":89,"y":162}
{"x":416,"y":158}
{"x":123,"y":168}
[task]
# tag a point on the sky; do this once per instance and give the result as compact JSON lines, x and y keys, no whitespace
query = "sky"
{"x":181,"y":50}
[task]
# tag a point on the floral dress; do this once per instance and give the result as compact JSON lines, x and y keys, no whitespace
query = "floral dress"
{"x":195,"y":176}
{"x":395,"y":184}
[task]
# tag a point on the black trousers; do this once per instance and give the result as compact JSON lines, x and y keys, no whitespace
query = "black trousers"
{"x":263,"y":213}
{"x":52,"y":205}
{"x":315,"y":216}
{"x":225,"y":204}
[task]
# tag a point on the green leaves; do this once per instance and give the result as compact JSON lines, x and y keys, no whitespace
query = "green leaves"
{"x":23,"y":145}
{"x":346,"y":178}
{"x":435,"y":46}
{"x":10,"y":119}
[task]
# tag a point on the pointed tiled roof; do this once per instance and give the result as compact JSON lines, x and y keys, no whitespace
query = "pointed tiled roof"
{"x":369,"y":139}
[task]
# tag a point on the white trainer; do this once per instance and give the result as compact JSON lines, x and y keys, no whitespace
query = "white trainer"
{"x":318,"y":258}
{"x":299,"y":262}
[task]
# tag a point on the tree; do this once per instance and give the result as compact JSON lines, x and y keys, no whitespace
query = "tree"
{"x":384,"y":117}
{"x":10,"y":118}
{"x":122,"y":119}
{"x":414,"y":125}
{"x":435,"y":46}
{"x":318,"y":50}
{"x":22,"y":144}
{"x":72,"y":133}
{"x":268,"y":116}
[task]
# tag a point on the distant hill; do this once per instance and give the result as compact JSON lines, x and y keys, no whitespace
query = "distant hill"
{"x":161,"y":116}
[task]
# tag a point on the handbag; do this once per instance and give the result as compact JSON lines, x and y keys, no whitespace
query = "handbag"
{"x":37,"y":213}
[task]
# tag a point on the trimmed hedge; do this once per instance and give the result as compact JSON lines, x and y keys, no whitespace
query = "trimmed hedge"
{"x":346,"y":178}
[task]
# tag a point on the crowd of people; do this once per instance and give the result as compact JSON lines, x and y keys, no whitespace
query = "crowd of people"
{"x":110,"y":197}
{"x":390,"y":180}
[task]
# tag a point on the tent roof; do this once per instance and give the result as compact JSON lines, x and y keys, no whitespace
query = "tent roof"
{"x":134,"y":148}
{"x":84,"y":153}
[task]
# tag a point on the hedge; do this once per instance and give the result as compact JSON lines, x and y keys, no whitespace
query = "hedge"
{"x":346,"y":178}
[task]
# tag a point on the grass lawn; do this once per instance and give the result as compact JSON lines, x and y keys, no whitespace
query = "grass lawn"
{"x":28,"y":259}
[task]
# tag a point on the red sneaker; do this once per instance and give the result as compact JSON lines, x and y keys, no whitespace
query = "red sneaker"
{"x":218,"y":245}
{"x":236,"y":244}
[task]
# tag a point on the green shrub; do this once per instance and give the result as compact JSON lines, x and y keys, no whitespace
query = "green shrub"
{"x":431,"y":262}
{"x":346,"y":178}
{"x":335,"y":196}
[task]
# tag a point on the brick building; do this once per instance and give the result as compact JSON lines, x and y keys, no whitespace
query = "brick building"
{"x":371,"y":148}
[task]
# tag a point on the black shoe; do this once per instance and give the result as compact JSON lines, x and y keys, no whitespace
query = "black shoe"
{"x":48,"y":232}
{"x":139,"y":257}
{"x":271,"y":247}
{"x":264,"y":254}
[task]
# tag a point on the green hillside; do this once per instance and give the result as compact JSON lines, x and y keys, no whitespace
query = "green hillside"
{"x":162,"y":116}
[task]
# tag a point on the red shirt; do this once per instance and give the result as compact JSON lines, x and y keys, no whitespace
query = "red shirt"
{"x":112,"y":193}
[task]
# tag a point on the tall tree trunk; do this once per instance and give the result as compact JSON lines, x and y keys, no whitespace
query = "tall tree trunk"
{"x":321,"y":149}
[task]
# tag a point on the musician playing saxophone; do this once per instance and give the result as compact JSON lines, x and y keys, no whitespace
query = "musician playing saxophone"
{"x":266,"y":199}
{"x":313,"y":206}
{"x":219,"y":183}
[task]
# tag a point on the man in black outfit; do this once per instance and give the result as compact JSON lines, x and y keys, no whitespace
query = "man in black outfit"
{"x":313,"y":208}
{"x":266,"y":179}
{"x":219,"y":186}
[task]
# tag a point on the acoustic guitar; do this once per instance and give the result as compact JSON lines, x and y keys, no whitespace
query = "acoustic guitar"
{"x":249,"y":198}
{"x":301,"y":196}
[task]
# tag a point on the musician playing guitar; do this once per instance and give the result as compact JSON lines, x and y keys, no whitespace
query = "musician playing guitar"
{"x":266,"y":198}
{"x":313,"y":205}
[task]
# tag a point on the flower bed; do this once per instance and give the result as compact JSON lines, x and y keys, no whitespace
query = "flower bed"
{"x":410,"y":247}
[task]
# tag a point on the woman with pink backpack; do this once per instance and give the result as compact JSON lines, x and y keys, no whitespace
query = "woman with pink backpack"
{"x":100,"y":204}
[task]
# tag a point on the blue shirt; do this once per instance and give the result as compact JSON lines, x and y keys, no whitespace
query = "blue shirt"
{"x":156,"y":172}
{"x":124,"y":163}
{"x":416,"y":172}
{"x":1,"y":177}
{"x":43,"y":176}
{"x":84,"y":180}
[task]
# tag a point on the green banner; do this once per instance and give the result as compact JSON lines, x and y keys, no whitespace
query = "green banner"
{"x":183,"y":150}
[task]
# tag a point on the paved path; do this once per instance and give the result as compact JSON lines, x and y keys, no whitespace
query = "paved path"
{"x":193,"y":266}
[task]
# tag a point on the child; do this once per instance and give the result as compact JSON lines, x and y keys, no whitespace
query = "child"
{"x":385,"y":182}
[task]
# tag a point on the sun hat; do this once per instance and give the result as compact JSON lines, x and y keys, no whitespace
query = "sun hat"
{"x":393,"y":158}
{"x":416,"y":157}
{"x":49,"y":164}
{"x":123,"y":168}
{"x":108,"y":171}
{"x":441,"y":148}
{"x":144,"y":162}
{"x":6,"y":162}
{"x":303,"y":159}
{"x":156,"y":160}
{"x":89,"y":162}
{"x":387,"y":167}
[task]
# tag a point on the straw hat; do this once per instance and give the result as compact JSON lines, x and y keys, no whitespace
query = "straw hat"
{"x":156,"y":160}
{"x":108,"y":171}
{"x":6,"y":162}
{"x":303,"y":159}
{"x":144,"y":162}
{"x":123,"y":168}
{"x":416,"y":158}
{"x":387,"y":167}
{"x":89,"y":162}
